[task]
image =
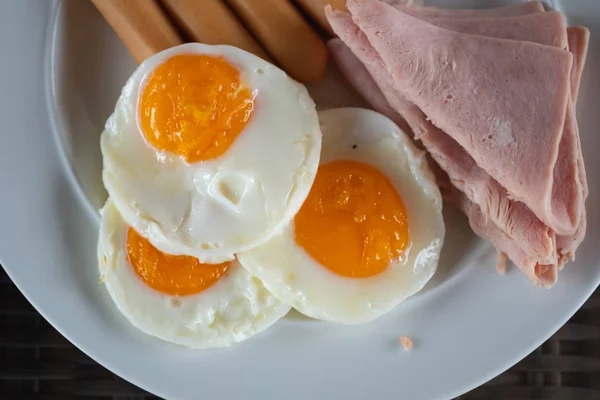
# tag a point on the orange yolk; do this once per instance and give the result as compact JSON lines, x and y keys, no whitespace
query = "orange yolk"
{"x":353,"y":221}
{"x":169,"y":274}
{"x":194,"y":106}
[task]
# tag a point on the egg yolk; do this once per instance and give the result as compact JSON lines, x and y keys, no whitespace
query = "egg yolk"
{"x":170,"y":274}
{"x":353,"y":221}
{"x":194,"y":106}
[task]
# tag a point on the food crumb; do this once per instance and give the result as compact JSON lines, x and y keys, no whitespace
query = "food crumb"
{"x":406,"y":343}
{"x":501,"y":263}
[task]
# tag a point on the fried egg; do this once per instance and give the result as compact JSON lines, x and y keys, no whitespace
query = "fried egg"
{"x":176,"y":297}
{"x":210,"y":150}
{"x":370,"y":232}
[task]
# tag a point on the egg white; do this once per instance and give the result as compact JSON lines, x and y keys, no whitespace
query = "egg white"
{"x":297,"y":279}
{"x":213,"y":209}
{"x":235,"y":308}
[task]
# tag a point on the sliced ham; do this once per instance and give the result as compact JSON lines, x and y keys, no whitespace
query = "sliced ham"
{"x":578,"y":39}
{"x":501,"y":261}
{"x":567,"y":245}
{"x":550,"y":33}
{"x":578,"y":42}
{"x":500,"y":12}
{"x":513,"y":217}
{"x":540,"y":274}
{"x":549,"y":28}
{"x":516,"y":140}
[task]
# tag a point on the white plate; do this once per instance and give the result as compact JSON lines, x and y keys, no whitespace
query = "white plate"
{"x":61,"y":72}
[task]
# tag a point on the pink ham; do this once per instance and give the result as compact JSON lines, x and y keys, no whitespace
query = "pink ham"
{"x":535,"y":29}
{"x":567,"y":245}
{"x":445,"y":78}
{"x":547,"y":28}
{"x":578,"y":41}
{"x":347,"y":61}
{"x":509,"y":11}
{"x":578,"y":38}
{"x":544,"y":275}
{"x":512,"y":217}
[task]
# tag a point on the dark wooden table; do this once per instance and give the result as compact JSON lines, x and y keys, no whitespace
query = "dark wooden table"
{"x":36,"y":362}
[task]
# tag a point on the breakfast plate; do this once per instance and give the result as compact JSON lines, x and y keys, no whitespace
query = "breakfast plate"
{"x":62,"y":71}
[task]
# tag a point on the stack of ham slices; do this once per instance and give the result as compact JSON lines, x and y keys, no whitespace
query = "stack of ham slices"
{"x":491,"y":95}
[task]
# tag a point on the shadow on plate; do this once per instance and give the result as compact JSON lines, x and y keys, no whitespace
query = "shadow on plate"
{"x":89,"y":66}
{"x":83,"y":262}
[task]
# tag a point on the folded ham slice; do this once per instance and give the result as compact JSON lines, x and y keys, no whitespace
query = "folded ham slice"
{"x":578,"y":42}
{"x":513,"y":217}
{"x":509,"y":11}
{"x":540,"y":273}
{"x":546,"y":28}
{"x":544,"y":275}
{"x":516,"y":140}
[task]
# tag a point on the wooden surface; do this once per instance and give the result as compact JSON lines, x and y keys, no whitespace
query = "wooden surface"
{"x":36,"y":362}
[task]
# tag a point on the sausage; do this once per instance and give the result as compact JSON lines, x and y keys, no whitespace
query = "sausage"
{"x":212,"y":22}
{"x":286,"y":36}
{"x":140,"y":24}
{"x":316,"y":9}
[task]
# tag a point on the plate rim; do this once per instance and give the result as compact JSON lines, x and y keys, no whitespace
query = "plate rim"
{"x":66,"y":168}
